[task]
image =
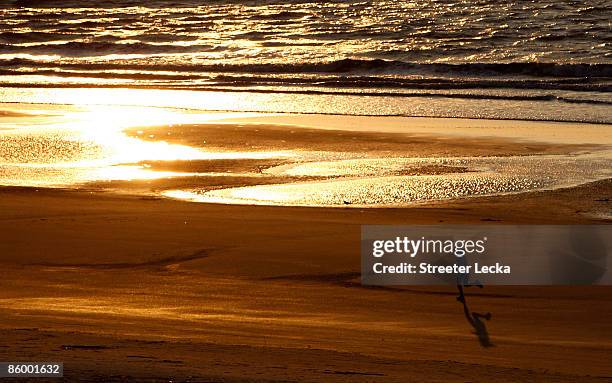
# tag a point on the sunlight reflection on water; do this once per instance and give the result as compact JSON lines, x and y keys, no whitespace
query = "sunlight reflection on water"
{"x":375,"y":182}
{"x":90,"y":144}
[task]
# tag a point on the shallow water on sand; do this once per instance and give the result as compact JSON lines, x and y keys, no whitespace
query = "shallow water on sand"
{"x":88,"y":144}
{"x":79,"y":148}
{"x":380,"y":182}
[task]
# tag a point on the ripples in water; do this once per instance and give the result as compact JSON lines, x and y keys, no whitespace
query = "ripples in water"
{"x":375,"y":182}
{"x":391,"y":42}
{"x":460,"y":31}
{"x":532,"y":60}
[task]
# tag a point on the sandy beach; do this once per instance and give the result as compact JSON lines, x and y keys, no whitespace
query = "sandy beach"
{"x":123,"y":284}
{"x":132,"y":288}
{"x":311,"y":192}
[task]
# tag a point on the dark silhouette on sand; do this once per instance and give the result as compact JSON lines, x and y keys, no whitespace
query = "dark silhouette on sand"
{"x":476,"y":320}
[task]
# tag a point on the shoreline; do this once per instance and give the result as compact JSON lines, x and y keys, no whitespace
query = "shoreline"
{"x":220,"y":157}
{"x":259,"y":112}
{"x":305,"y":192}
{"x":138,"y":287}
{"x":249,"y":101}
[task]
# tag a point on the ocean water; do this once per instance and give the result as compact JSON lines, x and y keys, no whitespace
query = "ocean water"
{"x":545,"y":59}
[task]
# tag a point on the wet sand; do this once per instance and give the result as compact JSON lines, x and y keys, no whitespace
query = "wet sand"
{"x":132,"y":286}
{"x":118,"y":286}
